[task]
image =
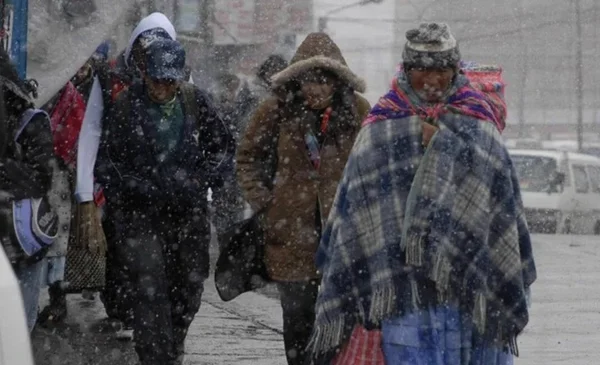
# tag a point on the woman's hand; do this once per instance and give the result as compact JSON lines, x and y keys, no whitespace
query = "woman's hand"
{"x":428,"y":132}
{"x":89,"y":232}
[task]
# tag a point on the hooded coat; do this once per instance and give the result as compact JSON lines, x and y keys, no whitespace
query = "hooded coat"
{"x":274,"y":169}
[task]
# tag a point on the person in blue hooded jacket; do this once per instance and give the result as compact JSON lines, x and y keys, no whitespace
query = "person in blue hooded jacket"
{"x":163,"y":146}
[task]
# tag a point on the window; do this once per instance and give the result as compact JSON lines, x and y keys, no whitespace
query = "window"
{"x":187,"y":16}
{"x":582,"y":184}
{"x":594,"y":178}
{"x":534,"y":172}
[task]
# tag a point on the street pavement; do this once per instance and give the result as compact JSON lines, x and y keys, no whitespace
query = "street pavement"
{"x":565,"y":316}
{"x":244,"y":331}
{"x":564,"y":326}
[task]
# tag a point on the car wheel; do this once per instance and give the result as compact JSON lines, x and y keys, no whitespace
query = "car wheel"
{"x":567,"y":228}
{"x":597,"y":229}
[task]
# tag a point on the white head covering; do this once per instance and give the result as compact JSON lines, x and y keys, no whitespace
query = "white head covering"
{"x":152,"y":21}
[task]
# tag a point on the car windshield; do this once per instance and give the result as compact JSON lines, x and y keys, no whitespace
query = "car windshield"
{"x":534,"y":172}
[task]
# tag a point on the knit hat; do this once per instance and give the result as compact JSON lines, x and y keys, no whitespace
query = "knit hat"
{"x":431,"y":45}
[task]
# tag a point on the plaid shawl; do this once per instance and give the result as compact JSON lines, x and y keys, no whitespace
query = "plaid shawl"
{"x":406,"y":219}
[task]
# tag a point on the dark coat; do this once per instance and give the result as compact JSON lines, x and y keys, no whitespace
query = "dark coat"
{"x":237,"y":113}
{"x":25,"y":166}
{"x":129,"y":169}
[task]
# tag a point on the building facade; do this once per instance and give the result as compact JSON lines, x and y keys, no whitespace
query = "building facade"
{"x":234,"y":35}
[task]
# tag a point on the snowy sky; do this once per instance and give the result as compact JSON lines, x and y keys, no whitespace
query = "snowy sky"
{"x":357,"y":37}
{"x":489,"y":32}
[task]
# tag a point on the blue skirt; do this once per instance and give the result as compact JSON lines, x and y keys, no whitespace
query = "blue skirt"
{"x":438,"y":336}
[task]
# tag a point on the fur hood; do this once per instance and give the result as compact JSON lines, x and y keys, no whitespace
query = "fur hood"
{"x":318,"y":51}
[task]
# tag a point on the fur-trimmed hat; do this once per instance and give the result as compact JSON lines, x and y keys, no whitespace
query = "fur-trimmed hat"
{"x":318,"y":51}
{"x":431,"y":45}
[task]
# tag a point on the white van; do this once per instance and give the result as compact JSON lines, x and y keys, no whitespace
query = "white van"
{"x":588,"y":147}
{"x":560,"y":189}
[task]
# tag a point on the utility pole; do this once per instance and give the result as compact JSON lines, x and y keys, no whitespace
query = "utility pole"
{"x":579,"y":75}
{"x":524,"y":70}
{"x":398,"y":42}
{"x":322,"y":26}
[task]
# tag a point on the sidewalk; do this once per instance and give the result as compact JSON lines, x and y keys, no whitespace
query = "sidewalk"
{"x":244,"y":331}
{"x":565,"y":318}
{"x":565,"y":314}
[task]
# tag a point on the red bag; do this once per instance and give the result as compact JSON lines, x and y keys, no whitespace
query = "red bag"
{"x":363,"y":348}
{"x":488,"y":78}
{"x":65,"y":122}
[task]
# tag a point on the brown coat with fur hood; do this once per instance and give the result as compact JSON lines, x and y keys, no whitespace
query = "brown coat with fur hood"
{"x":275,"y":137}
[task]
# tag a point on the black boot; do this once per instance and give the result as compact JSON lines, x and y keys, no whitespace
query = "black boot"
{"x":56,"y":311}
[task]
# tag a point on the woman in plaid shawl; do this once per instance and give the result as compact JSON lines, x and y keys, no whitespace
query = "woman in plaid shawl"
{"x":426,"y":249}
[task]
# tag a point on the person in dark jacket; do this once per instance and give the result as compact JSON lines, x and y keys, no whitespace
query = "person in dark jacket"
{"x":124,"y":72}
{"x":163,"y":146}
{"x":235,"y":101}
{"x":26,"y":165}
{"x":261,"y":85}
{"x":239,"y":100}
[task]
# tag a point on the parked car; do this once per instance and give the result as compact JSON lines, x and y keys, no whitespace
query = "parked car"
{"x":15,"y":347}
{"x":560,"y":189}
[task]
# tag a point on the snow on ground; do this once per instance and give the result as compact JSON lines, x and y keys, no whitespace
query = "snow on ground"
{"x":564,"y":326}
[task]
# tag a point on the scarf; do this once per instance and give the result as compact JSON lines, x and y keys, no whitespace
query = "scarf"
{"x":312,"y":142}
{"x":464,"y":99}
{"x":406,"y":219}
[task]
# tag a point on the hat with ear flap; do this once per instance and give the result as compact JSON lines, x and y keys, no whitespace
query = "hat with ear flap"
{"x":431,"y":45}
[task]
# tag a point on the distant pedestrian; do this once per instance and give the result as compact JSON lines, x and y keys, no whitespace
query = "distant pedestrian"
{"x":261,"y":84}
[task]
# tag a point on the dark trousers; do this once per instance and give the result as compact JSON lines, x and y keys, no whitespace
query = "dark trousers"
{"x":118,"y":293}
{"x":168,"y":261}
{"x":298,"y":303}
